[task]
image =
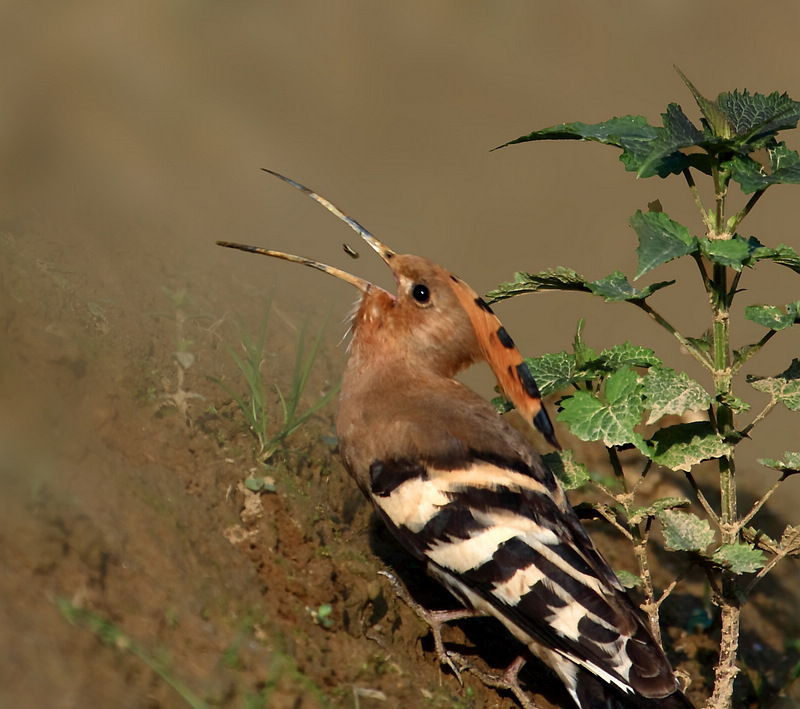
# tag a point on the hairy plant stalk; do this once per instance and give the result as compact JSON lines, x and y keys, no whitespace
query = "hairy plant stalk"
{"x":725,"y":672}
{"x":650,"y":605}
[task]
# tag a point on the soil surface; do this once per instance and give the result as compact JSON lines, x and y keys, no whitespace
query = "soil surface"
{"x":139,"y":570}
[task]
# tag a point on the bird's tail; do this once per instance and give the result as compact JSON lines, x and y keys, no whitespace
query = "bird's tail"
{"x":592,"y":693}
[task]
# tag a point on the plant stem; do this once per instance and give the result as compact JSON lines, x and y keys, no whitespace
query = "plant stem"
{"x":650,"y":606}
{"x":739,"y":217}
{"x":617,"y":467}
{"x":758,"y":505}
{"x":748,"y":352}
{"x":698,"y":259}
{"x":721,"y":180}
{"x":765,"y":570}
{"x":761,"y":415}
{"x":639,"y":539}
{"x":700,"y":496}
{"x":723,"y":389}
{"x":687,"y":173}
{"x":698,"y":354}
{"x":734,"y":286}
{"x":726,"y":670}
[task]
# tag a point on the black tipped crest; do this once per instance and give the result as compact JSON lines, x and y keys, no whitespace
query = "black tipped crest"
{"x":505,"y":338}
{"x":483,"y":305}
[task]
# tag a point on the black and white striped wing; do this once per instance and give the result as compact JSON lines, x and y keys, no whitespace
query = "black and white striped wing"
{"x":499,"y":537}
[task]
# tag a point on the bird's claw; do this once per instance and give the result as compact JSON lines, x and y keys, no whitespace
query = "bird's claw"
{"x":435,"y":620}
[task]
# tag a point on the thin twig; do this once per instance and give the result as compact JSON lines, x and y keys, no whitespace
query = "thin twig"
{"x":732,"y":290}
{"x":765,"y":570}
{"x":617,"y":467}
{"x":748,"y":352}
{"x":698,"y":354}
{"x":698,"y":259}
{"x":764,"y":412}
{"x":604,"y":512}
{"x":702,"y":498}
{"x":696,"y":194}
{"x":648,"y":464}
{"x":758,"y":505}
{"x":649,"y":606}
{"x":739,"y":217}
{"x":669,"y":589}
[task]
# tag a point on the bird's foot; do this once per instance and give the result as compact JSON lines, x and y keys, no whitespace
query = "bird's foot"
{"x":457,"y":662}
{"x":509,"y":681}
{"x":435,"y":620}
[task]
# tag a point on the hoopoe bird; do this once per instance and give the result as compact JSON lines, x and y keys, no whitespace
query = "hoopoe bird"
{"x":466,"y":494}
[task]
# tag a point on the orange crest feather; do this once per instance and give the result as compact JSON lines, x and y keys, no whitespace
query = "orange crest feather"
{"x":514,"y":379}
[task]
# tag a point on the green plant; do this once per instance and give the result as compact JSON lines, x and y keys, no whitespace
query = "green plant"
{"x":106,"y":631}
{"x":255,"y":405}
{"x":620,"y":391}
{"x":184,"y":359}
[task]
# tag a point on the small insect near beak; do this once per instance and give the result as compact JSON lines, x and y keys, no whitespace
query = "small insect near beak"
{"x":363,"y":285}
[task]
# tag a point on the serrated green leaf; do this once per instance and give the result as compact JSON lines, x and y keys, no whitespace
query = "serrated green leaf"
{"x":734,"y":252}
{"x":659,"y":506}
{"x":681,"y":446}
{"x":757,"y":115}
{"x":739,"y":558}
{"x":748,"y":173}
{"x":752,"y":177}
{"x":668,"y":393}
{"x":783,"y":255}
{"x":553,"y":279}
{"x":629,"y":355}
{"x":627,"y":579}
{"x":790,"y":463}
{"x":684,"y":531}
{"x":622,"y":385}
{"x":664,"y":156}
{"x":716,"y":118}
{"x":770,"y":316}
{"x":785,"y":387}
{"x":611,"y":419}
{"x":737,"y":405}
{"x":502,"y":405}
{"x":583,"y":353}
{"x":615,"y":288}
{"x":554,"y":372}
{"x":569,"y":471}
{"x":631,"y":129}
{"x":660,"y":240}
{"x":703,"y":343}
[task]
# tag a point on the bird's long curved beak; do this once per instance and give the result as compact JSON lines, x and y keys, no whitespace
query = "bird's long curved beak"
{"x":363,"y":285}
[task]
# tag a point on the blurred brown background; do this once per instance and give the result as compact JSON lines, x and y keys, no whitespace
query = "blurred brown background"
{"x":131,"y":137}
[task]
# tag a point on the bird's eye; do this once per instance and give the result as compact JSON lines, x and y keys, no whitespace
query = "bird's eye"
{"x":421,"y":293}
